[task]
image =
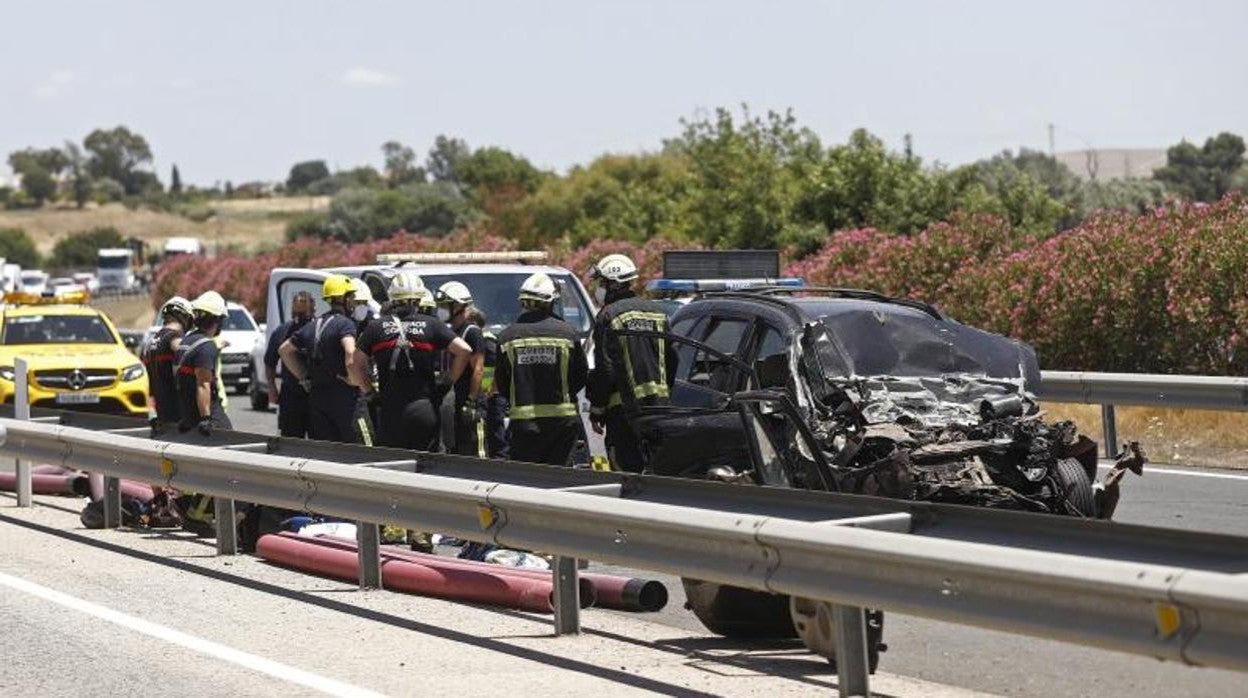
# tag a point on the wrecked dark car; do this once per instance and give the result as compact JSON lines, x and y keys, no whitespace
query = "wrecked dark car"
{"x":851,"y":391}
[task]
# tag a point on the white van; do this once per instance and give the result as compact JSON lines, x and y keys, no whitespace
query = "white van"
{"x":181,"y":246}
{"x":493,"y":278}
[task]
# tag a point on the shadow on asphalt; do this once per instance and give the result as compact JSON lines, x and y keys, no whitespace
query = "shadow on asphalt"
{"x":553,"y":660}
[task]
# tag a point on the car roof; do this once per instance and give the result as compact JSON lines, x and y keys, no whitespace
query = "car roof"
{"x":50,"y":309}
{"x":448,"y":269}
{"x":815,"y":303}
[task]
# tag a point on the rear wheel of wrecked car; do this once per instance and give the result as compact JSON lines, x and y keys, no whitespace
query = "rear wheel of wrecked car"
{"x":815,"y":625}
{"x":1073,"y":481}
{"x":735,"y":612}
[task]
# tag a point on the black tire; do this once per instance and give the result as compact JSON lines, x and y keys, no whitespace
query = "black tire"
{"x":259,"y":400}
{"x":1073,"y":482}
{"x":739,"y":613}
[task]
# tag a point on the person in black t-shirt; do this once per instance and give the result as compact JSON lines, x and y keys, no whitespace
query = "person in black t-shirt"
{"x":158,"y":355}
{"x":290,"y":397}
{"x":455,"y":306}
{"x":332,"y":375}
{"x":403,"y":346}
{"x":196,"y":363}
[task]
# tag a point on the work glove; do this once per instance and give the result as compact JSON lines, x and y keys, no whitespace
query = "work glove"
{"x":598,"y":422}
{"x":205,"y":426}
{"x":154,"y":423}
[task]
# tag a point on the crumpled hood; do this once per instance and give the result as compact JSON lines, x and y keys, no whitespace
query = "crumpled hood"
{"x":932,"y":402}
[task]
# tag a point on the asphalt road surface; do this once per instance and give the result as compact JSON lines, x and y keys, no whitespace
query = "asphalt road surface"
{"x":929,"y":651}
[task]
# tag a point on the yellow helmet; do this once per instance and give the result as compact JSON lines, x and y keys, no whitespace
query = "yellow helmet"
{"x":336,"y":286}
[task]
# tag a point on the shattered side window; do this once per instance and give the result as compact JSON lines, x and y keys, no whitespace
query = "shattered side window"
{"x":911,"y":344}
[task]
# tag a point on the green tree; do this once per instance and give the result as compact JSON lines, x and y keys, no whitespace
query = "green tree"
{"x":51,"y":160}
{"x":304,"y":174}
{"x":359,"y":213}
{"x":400,"y":164}
{"x":491,"y":169}
{"x":119,"y":154}
{"x":79,"y":179}
{"x":1206,"y":173}
{"x":80,"y":249}
{"x":175,"y":180}
{"x":38,"y":184}
{"x":615,"y":197}
{"x":745,"y":178}
{"x":16,"y":247}
{"x":445,"y":157}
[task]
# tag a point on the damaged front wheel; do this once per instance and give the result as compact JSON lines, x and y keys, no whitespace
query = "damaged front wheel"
{"x":1075,"y":486}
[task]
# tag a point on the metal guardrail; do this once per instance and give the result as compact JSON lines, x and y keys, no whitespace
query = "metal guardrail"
{"x":1111,"y":389}
{"x":1174,"y":595}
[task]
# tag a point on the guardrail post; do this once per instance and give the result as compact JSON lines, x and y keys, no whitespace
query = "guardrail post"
{"x":21,"y":410}
{"x":368,"y":545}
{"x":1110,"y":426}
{"x":567,"y":595}
{"x":227,"y":527}
{"x":852,"y":668}
{"x":112,"y":501}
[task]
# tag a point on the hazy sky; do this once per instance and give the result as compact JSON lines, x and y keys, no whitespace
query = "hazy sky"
{"x":241,"y":90}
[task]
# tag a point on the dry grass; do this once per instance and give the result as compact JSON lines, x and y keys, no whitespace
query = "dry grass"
{"x":247,"y":224}
{"x":1186,"y":437}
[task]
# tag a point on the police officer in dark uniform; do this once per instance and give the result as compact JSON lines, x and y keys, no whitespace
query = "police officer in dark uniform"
{"x":541,"y":368}
{"x":333,"y":376}
{"x":630,"y":371}
{"x":455,"y":306}
{"x":291,"y":399}
{"x":403,"y":345}
{"x":158,"y":356}
{"x":196,"y":363}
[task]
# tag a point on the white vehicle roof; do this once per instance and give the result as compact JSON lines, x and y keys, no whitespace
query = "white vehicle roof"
{"x":115,"y":251}
{"x":181,"y":244}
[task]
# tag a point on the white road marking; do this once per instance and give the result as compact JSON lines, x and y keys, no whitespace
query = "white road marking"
{"x":1149,"y":470}
{"x":196,"y":644}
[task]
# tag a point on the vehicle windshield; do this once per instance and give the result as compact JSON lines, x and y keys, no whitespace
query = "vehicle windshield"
{"x":33,"y":277}
{"x":57,"y":329}
{"x":495,"y":295}
{"x":113,"y":262}
{"x":238,"y":320}
{"x":908,"y":344}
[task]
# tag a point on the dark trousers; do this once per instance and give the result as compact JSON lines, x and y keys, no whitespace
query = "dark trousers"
{"x":496,"y":427}
{"x":470,"y":433}
{"x":413,"y":426}
{"x":548,"y":440}
{"x":339,"y":417}
{"x":292,"y":412}
{"x":623,"y":445}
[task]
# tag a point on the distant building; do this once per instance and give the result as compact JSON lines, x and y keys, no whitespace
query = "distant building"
{"x":1113,"y":163}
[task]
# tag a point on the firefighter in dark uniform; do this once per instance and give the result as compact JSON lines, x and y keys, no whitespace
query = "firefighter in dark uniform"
{"x":541,"y":368}
{"x":455,"y":306}
{"x":158,"y":356}
{"x":331,"y":374}
{"x":495,"y":403}
{"x":403,"y":346}
{"x":291,"y":399}
{"x":196,"y":362}
{"x":630,"y":371}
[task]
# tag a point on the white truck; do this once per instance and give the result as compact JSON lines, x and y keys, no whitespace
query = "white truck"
{"x":180,"y":246}
{"x":115,"y":269}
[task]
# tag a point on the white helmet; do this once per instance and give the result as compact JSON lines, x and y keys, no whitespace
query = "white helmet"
{"x":362,"y":293}
{"x":454,"y":292}
{"x":177,"y":305}
{"x":425,"y":302}
{"x":406,"y":286}
{"x":615,"y":267}
{"x":539,"y":288}
{"x":209,"y":303}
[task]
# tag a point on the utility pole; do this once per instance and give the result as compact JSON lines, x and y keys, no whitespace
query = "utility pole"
{"x":1052,"y":142}
{"x":909,"y":141}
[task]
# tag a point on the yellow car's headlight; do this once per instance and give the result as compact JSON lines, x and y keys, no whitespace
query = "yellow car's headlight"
{"x":7,"y":373}
{"x":131,"y":373}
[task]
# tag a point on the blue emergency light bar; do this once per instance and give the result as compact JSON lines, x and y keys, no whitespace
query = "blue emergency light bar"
{"x":708,"y":285}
